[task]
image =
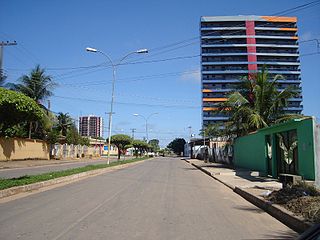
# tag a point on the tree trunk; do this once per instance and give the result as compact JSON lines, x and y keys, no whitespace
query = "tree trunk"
{"x":30,"y":127}
{"x":119,"y":153}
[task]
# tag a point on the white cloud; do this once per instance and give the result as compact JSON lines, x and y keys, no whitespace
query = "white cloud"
{"x":306,"y":36}
{"x":192,"y":76}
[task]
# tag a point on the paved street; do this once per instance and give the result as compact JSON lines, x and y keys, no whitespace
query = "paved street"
{"x":18,"y":172}
{"x":164,"y":198}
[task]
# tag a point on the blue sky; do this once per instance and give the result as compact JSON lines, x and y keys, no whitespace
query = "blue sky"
{"x":55,"y":34}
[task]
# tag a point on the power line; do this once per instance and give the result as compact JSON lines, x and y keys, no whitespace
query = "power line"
{"x":23,"y":50}
{"x":130,"y":103}
{"x":61,"y":76}
{"x":134,"y":78}
{"x":281,"y":13}
{"x":2,"y":45}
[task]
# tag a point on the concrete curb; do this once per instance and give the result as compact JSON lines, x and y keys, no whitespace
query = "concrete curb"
{"x":75,"y":177}
{"x":211,"y":175}
{"x":286,"y":217}
{"x":296,"y":223}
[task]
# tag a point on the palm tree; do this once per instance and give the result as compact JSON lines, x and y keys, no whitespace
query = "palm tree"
{"x":2,"y":79}
{"x":257,"y":103}
{"x":64,"y":123}
{"x":37,"y":85}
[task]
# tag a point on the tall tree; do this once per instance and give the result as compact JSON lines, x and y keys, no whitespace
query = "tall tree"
{"x":154,"y":144}
{"x":37,"y":85}
{"x":15,"y":110}
{"x":122,"y":141}
{"x":177,"y":145}
{"x":139,"y":146}
{"x":257,"y":103}
{"x":213,"y":130}
{"x":64,"y":123}
{"x":2,"y":79}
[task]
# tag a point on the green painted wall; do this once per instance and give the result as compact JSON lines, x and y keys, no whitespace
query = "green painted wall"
{"x":250,"y":152}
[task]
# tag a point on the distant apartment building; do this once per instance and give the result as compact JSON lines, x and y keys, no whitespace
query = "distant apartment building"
{"x":235,"y":46}
{"x":91,"y":126}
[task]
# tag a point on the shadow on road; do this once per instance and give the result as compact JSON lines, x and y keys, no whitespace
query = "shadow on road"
{"x":249,"y":208}
{"x":188,"y":169}
{"x":279,"y":235}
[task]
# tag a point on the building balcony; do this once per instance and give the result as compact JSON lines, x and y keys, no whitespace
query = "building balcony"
{"x":245,"y":54}
{"x":299,"y":99}
{"x":216,"y":118}
{"x":214,"y":99}
{"x":247,"y":71}
{"x":220,"y":81}
{"x":291,"y":29}
{"x":251,"y":36}
{"x":222,"y":28}
{"x":248,"y":45}
{"x":217,"y":90}
{"x":246,"y":63}
{"x":298,"y":81}
{"x":300,"y":108}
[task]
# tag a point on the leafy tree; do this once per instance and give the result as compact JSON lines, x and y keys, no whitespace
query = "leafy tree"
{"x":38,"y":86}
{"x":257,"y":103}
{"x":65,"y":123}
{"x":15,"y":110}
{"x":2,"y":79}
{"x":177,"y":145}
{"x":72,"y":136}
{"x":154,"y":145}
{"x":84,"y":141}
{"x":53,"y":136}
{"x":121,"y":141}
{"x":139,"y":146}
{"x":213,"y":130}
{"x":164,"y":151}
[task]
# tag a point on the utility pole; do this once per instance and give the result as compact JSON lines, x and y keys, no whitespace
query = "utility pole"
{"x":3,"y":44}
{"x":190,"y":145}
{"x":133,"y":130}
{"x":190,"y":132}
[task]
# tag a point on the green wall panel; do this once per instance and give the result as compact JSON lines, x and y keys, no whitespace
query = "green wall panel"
{"x":250,"y":152}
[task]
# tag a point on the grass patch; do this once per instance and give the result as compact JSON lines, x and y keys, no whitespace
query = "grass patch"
{"x":29,"y":179}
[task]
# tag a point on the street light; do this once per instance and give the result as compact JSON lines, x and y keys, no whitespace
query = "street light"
{"x":146,"y":119}
{"x":114,"y":66}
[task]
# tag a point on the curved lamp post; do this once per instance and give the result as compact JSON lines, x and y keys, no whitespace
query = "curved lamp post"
{"x":114,"y":67}
{"x":146,"y":119}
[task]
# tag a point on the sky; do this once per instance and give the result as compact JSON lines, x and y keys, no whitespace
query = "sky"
{"x":165,"y":81}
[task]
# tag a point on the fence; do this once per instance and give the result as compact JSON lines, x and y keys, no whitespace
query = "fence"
{"x":286,"y":148}
{"x":22,"y":149}
{"x":59,"y":151}
{"x":215,"y":150}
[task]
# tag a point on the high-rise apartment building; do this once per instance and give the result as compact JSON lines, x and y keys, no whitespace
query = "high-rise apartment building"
{"x":91,"y":126}
{"x":235,"y":46}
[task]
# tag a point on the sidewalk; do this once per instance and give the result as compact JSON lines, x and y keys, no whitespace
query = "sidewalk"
{"x":252,"y":186}
{"x":33,"y":163}
{"x":240,"y":178}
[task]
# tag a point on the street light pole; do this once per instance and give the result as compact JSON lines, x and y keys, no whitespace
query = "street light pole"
{"x":114,"y":66}
{"x":146,"y":119}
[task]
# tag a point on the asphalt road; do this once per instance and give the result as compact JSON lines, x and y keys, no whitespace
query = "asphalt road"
{"x":18,"y":172}
{"x":164,"y":198}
